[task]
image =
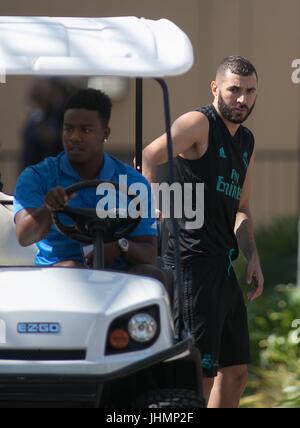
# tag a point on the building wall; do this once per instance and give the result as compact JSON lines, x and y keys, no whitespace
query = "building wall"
{"x":265,"y":31}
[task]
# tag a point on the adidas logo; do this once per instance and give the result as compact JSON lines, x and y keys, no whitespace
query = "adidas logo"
{"x":245,"y":159}
{"x":222,"y":153}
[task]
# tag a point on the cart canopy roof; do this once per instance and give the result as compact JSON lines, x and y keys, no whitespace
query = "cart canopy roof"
{"x":124,"y":46}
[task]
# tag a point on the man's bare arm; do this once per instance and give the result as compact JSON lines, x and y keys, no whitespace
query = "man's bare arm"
{"x":33,"y":224}
{"x":142,"y":250}
{"x":244,"y":224}
{"x":245,"y":236}
{"x":188,"y":131}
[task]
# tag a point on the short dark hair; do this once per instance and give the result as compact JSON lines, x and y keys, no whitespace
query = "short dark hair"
{"x":91,"y":99}
{"x":237,"y":65}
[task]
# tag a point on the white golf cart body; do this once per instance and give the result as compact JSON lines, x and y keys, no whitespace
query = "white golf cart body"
{"x":81,"y":304}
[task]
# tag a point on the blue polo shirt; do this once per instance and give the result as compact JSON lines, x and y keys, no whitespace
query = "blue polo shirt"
{"x":36,"y":181}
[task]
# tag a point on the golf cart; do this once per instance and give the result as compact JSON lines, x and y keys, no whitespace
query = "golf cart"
{"x":92,"y":337}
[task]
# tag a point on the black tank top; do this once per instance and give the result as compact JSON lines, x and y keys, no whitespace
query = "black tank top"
{"x":222,"y":169}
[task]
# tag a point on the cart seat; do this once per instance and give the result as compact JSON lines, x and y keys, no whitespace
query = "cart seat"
{"x":11,"y":252}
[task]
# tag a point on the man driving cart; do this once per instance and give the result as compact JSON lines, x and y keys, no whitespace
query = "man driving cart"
{"x":40,"y":192}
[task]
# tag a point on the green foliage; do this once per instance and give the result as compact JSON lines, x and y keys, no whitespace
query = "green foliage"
{"x":272,"y":334}
{"x":275,"y":344}
{"x":274,"y":378}
{"x":272,"y":388}
{"x":291,"y":395}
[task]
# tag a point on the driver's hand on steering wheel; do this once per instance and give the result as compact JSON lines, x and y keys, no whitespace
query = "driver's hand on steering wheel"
{"x":57,"y":199}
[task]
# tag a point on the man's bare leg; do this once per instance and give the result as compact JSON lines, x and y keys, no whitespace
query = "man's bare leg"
{"x":69,"y":263}
{"x":208,"y":384}
{"x":228,"y":387}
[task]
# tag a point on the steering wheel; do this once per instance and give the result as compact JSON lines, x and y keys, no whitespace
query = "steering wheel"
{"x":87,"y":223}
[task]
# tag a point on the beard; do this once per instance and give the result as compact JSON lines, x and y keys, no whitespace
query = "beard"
{"x":230,"y":114}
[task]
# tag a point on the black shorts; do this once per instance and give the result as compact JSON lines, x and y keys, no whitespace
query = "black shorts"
{"x":216,"y":314}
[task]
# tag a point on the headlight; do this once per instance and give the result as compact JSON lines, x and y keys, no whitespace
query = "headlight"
{"x":133,"y":331}
{"x":142,"y":327}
